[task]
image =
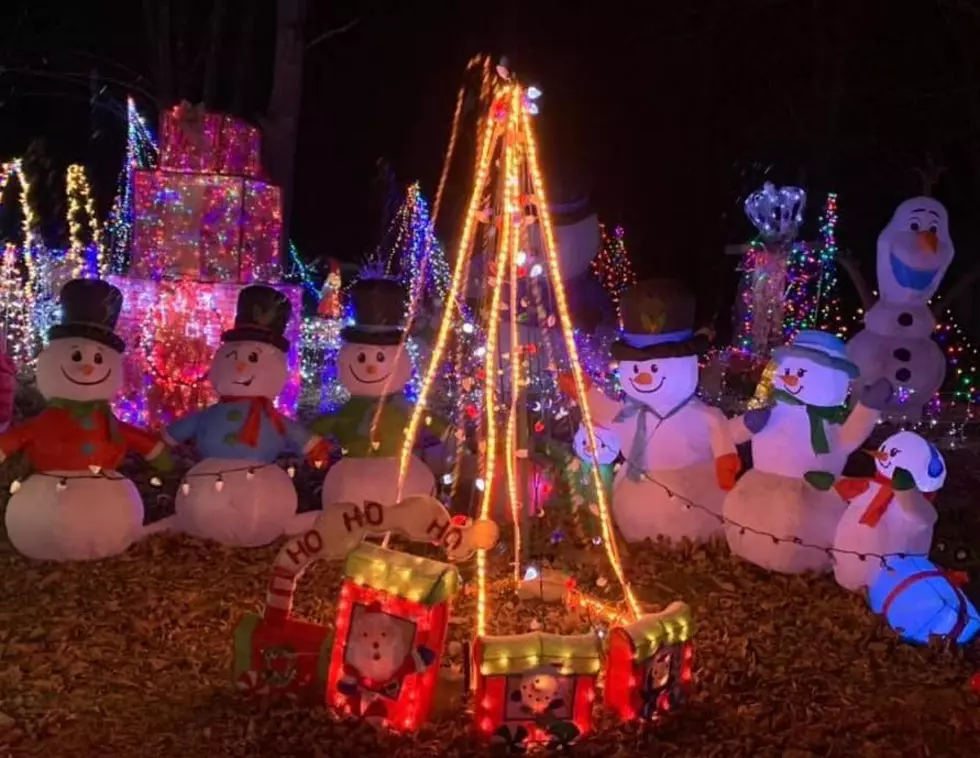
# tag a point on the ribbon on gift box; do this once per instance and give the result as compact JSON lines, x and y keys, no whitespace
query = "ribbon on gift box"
{"x":190,"y":121}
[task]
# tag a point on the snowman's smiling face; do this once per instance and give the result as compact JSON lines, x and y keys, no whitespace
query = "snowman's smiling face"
{"x":606,"y":440}
{"x":373,"y":370}
{"x":914,"y":251}
{"x":248,"y":369}
{"x":661,"y":383}
{"x":79,"y":369}
{"x":810,"y":382}
{"x":909,"y":451}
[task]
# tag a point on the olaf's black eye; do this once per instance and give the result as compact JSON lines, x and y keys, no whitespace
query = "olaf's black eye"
{"x":914,"y":226}
{"x":934,"y":229}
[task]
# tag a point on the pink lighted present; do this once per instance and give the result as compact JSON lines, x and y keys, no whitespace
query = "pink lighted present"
{"x":206,"y":227}
{"x":171,"y":330}
{"x":199,"y":142}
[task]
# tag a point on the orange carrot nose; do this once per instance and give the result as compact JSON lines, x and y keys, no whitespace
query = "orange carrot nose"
{"x":878,"y":455}
{"x":87,"y":369}
{"x":790,"y":380}
{"x":643,"y":379}
{"x":371,"y":370}
{"x":928,"y":241}
{"x":240,"y":368}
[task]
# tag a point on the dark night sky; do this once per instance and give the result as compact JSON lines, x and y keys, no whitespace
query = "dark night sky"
{"x":668,"y":115}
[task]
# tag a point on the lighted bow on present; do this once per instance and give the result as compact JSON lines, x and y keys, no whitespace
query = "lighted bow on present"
{"x":777,"y":212}
{"x":190,"y":120}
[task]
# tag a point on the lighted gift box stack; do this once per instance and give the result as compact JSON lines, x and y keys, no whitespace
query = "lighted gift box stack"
{"x":206,"y":224}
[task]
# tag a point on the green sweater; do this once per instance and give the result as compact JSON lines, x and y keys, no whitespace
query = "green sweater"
{"x":350,"y":425}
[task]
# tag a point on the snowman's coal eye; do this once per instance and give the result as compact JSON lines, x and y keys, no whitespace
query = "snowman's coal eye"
{"x":894,"y":451}
{"x":934,"y":229}
{"x":801,"y":372}
{"x":380,"y":357}
{"x":654,"y":368}
{"x":76,"y":356}
{"x":361,"y":357}
{"x":787,"y":372}
{"x":914,"y":226}
{"x":636,"y":368}
{"x":253,"y":357}
{"x":97,"y":359}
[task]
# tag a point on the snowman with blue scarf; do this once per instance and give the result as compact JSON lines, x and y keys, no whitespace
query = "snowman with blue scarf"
{"x":238,"y":495}
{"x":677,"y":449}
{"x":783,"y":513}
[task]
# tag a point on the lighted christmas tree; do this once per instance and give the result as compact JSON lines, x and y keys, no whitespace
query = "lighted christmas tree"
{"x":612,"y":266}
{"x":508,"y":199}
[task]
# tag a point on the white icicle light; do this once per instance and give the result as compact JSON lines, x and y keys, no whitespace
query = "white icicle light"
{"x":185,"y":488}
{"x":14,"y":486}
{"x":291,"y":470}
{"x":155,"y":481}
{"x":62,"y":485}
{"x":250,"y":474}
{"x":219,"y":484}
{"x":96,"y":470}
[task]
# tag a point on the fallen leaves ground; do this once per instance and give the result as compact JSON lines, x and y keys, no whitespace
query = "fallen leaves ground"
{"x":131,"y":657}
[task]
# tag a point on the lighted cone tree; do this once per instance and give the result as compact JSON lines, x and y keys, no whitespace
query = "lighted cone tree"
{"x":508,"y":173}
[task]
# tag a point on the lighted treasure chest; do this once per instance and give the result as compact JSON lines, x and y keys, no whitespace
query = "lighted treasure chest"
{"x":651,"y":664}
{"x":535,"y":688}
{"x":392,"y":620}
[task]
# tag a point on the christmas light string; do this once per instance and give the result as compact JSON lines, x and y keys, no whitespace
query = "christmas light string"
{"x":81,"y":204}
{"x":612,"y":266}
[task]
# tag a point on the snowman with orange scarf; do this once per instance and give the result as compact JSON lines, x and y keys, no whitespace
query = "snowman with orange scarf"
{"x":238,"y":495}
{"x":890,"y":513}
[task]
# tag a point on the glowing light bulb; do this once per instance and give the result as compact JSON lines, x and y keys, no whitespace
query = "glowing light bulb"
{"x":537,"y":270}
{"x":521,"y":258}
{"x":533,"y":93}
{"x":481,"y":485}
{"x":62,"y":485}
{"x":468,"y":328}
{"x":291,"y":470}
{"x":155,"y":481}
{"x":531,"y":574}
{"x":219,"y":484}
{"x":447,"y":479}
{"x":14,"y":486}
{"x":185,"y":488}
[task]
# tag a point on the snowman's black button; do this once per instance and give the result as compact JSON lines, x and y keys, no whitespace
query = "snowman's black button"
{"x":905,"y":319}
{"x":902,"y":354}
{"x":903,"y":375}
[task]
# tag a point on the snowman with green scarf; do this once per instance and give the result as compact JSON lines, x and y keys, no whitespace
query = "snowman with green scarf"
{"x":799,"y":448}
{"x":677,"y":449}
{"x":374,"y":365}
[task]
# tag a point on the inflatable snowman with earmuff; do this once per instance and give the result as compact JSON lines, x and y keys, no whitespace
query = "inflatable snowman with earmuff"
{"x":238,"y":495}
{"x":76,"y":506}
{"x":374,"y":366}
{"x":914,"y":252}
{"x":890,"y":513}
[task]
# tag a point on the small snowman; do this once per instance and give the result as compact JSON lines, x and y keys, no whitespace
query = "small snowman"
{"x":914,"y":252}
{"x":374,"y":366}
{"x":585,"y":510}
{"x":799,"y":448}
{"x":677,"y":450}
{"x":890,"y":513}
{"x":238,"y":495}
{"x":76,"y":506}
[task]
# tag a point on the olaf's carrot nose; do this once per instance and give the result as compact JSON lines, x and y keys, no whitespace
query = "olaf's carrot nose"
{"x":928,"y":241}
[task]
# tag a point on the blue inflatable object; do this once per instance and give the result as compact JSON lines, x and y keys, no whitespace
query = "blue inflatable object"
{"x":920,"y":600}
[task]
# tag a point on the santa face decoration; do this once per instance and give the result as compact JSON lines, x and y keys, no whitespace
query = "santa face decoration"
{"x":79,"y":369}
{"x":248,"y":369}
{"x":373,"y":370}
{"x":810,"y":382}
{"x":914,"y":251}
{"x":909,"y":451}
{"x":607,"y":441}
{"x":378,"y":644}
{"x":661,"y":383}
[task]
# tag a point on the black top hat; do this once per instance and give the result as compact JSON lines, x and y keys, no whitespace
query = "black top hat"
{"x":262,"y":315}
{"x":379,"y":312}
{"x":89,"y":310}
{"x":658,"y":322}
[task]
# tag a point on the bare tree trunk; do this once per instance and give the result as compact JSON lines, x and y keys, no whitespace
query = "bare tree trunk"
{"x":156,"y":18}
{"x":244,"y":57}
{"x":281,"y":124}
{"x":182,"y":68}
{"x":214,"y":50}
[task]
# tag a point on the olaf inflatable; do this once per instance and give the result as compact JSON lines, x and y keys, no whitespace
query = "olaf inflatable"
{"x":77,"y":506}
{"x":238,"y":495}
{"x":374,"y":366}
{"x":914,"y":252}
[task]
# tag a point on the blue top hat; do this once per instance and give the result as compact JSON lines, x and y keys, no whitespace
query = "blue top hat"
{"x":820,"y":347}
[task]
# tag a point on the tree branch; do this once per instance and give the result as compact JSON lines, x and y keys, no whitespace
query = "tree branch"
{"x":957,"y":291}
{"x":331,"y":33}
{"x":857,"y":279}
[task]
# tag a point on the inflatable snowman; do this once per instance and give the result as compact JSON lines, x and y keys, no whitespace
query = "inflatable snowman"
{"x":578,"y":472}
{"x":677,"y":450}
{"x":914,"y":251}
{"x":891,"y":513}
{"x":238,"y":495}
{"x":76,"y":506}
{"x":799,"y":448}
{"x":370,"y":427}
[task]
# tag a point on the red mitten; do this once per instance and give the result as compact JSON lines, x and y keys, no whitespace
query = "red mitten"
{"x":727,"y":468}
{"x":566,"y":383}
{"x":319,"y":454}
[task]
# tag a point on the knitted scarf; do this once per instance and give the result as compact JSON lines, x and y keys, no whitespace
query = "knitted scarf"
{"x":819,"y":418}
{"x":249,"y":434}
{"x":849,"y":489}
{"x":635,"y":457}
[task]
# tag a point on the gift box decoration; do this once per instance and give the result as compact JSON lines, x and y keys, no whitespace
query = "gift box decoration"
{"x":535,"y":688}
{"x":171,"y":330}
{"x":392,"y":620}
{"x":207,"y":227}
{"x":651,"y":664}
{"x":920,"y":600}
{"x":193,"y":140}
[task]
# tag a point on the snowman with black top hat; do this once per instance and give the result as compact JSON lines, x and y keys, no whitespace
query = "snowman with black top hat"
{"x":374,"y":365}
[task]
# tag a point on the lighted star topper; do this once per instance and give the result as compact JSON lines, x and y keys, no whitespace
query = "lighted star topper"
{"x":777,"y":212}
